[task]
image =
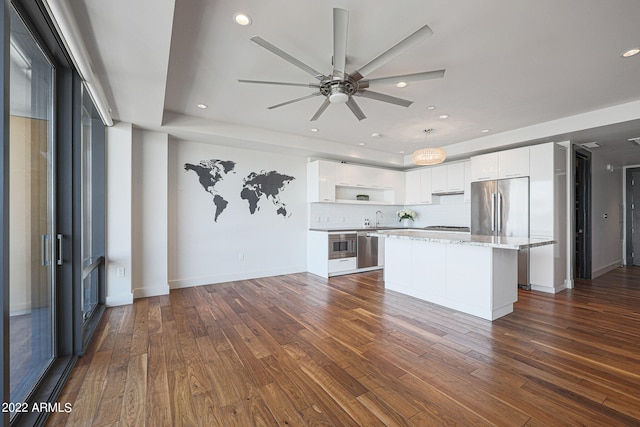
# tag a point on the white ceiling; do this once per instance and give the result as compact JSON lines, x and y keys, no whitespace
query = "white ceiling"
{"x":528,"y":70}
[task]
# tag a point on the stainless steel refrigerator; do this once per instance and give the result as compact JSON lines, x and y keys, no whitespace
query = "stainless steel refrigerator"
{"x":501,"y":208}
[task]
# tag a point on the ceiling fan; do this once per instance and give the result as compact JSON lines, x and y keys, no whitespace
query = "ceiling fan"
{"x":342,"y":87}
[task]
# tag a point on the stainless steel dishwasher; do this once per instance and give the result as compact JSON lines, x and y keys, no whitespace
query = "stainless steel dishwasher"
{"x":367,"y":250}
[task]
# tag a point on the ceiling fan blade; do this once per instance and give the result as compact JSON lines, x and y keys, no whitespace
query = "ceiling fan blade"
{"x":294,"y":100}
{"x":353,"y":106}
{"x":323,"y":107}
{"x":427,"y":75}
{"x":394,"y":51}
{"x":313,"y":85}
{"x":340,"y":28}
{"x":384,"y":98}
{"x":284,"y":55}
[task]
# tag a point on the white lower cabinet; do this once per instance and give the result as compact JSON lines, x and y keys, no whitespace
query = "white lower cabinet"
{"x":481,"y":281}
{"x":342,"y":264}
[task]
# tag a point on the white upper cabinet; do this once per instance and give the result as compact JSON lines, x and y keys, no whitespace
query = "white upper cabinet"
{"x":412,"y":187}
{"x":513,"y":163}
{"x":455,"y":178}
{"x":321,"y":181}
{"x":425,"y":187}
{"x":418,"y":187}
{"x":467,"y":181}
{"x":439,"y":179}
{"x":343,"y":174}
{"x":362,"y":176}
{"x":502,"y":164}
{"x":344,"y":183}
{"x":484,"y":167}
{"x":447,"y":178}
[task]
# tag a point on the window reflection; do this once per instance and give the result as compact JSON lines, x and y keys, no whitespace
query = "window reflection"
{"x":31,"y":235}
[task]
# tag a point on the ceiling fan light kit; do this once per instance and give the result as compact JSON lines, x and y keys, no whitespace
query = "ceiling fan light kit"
{"x":341,"y":87}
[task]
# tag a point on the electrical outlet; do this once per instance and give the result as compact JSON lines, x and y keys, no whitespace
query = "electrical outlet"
{"x":240,"y":256}
{"x":120,"y":272}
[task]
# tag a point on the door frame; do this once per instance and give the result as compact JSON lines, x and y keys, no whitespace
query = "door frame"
{"x":628,"y":214}
{"x":582,"y":260}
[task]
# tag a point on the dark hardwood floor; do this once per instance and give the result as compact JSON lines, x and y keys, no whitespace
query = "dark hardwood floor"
{"x":300,"y":350}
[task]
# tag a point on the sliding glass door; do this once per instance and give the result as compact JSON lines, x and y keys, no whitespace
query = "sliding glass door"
{"x":32,"y":236}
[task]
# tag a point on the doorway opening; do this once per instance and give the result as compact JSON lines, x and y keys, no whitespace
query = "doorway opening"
{"x":632,"y":231}
{"x":582,"y":232}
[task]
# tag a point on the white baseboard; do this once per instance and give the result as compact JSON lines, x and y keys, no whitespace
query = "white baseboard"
{"x":607,"y":268}
{"x":549,"y":289}
{"x":150,"y":291}
{"x":199,"y":281}
{"x":116,"y":300}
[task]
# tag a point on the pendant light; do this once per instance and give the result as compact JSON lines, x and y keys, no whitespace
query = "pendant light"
{"x":427,"y":155}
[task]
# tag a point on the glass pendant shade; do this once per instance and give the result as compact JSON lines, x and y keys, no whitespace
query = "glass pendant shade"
{"x":429,"y":156}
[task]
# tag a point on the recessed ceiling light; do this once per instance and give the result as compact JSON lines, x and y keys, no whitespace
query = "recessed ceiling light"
{"x":202,"y":106}
{"x":444,"y":116}
{"x":375,"y":135}
{"x":402,"y":84}
{"x":401,"y":152}
{"x":431,"y":107}
{"x":631,"y":52}
{"x":314,"y":129}
{"x":362,"y":143}
{"x":242,"y":19}
{"x":485,"y":130}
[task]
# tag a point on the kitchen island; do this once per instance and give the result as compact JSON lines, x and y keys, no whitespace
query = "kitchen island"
{"x":473,"y":274}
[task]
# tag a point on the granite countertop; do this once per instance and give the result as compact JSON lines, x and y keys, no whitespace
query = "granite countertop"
{"x":514,"y":243}
{"x":386,"y":227}
{"x":354,"y":229}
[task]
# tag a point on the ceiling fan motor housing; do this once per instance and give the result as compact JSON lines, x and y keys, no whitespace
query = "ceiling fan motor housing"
{"x":338,"y":90}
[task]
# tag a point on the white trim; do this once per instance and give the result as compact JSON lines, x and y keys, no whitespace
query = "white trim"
{"x":122,"y":299}
{"x":199,"y":281}
{"x":607,"y":268}
{"x":150,"y":291}
{"x":550,"y":289}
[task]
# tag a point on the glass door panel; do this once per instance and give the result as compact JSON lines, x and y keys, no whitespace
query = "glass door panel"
{"x":90,"y":282}
{"x":32,"y":235}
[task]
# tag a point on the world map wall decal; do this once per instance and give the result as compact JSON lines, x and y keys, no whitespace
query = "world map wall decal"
{"x":255,"y":186}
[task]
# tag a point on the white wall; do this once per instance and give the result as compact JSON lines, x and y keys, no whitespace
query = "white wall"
{"x":238,"y":245}
{"x":119,"y":211}
{"x":449,"y":210}
{"x":606,"y":233}
{"x":149,"y":213}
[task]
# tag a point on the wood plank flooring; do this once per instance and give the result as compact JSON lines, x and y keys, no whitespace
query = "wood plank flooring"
{"x":301,"y":350}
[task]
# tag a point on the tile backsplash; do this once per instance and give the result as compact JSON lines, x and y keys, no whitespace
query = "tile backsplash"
{"x":451,"y":210}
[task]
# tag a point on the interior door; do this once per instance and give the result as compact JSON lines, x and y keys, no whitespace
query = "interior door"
{"x":582,"y":267}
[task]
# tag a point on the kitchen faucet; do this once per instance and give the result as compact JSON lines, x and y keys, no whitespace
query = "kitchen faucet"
{"x":377,"y":222}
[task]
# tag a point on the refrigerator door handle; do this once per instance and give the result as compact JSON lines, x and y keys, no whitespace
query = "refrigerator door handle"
{"x":499,"y":220}
{"x":493,"y":212}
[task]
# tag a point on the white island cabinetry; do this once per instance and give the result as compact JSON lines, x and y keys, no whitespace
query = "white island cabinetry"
{"x":477,"y":275}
